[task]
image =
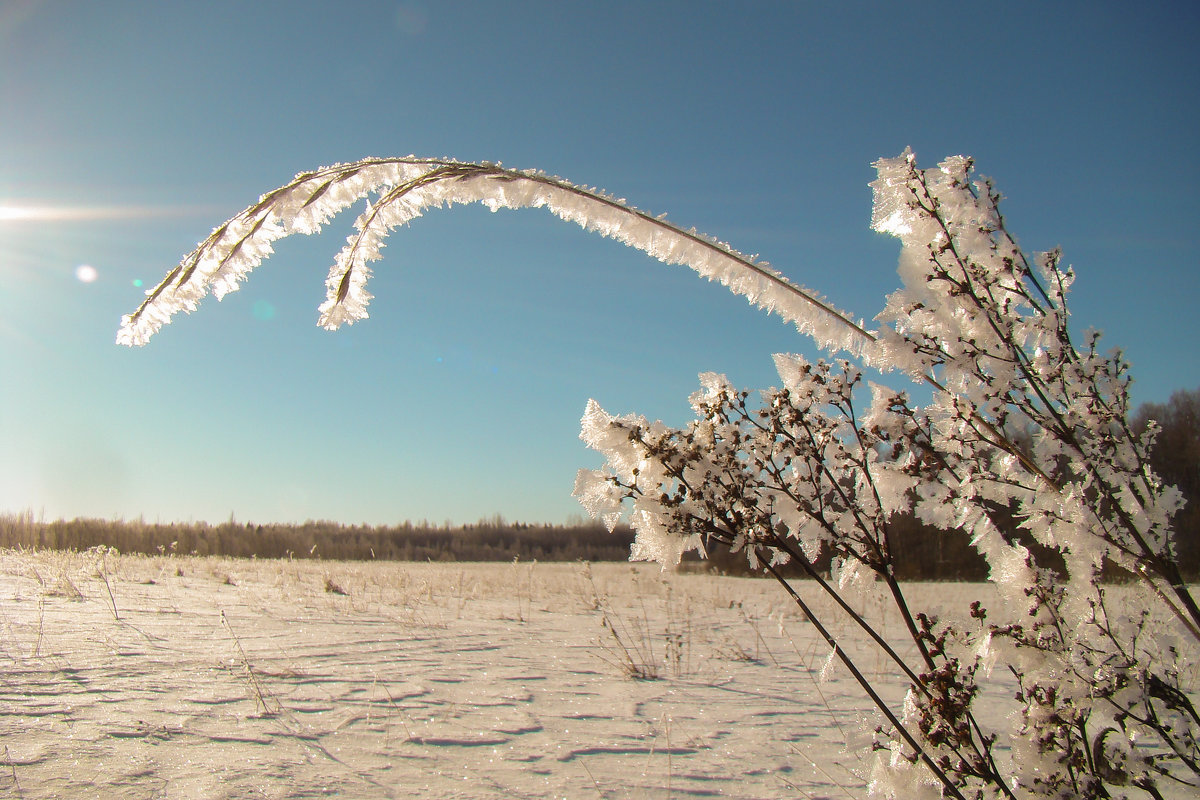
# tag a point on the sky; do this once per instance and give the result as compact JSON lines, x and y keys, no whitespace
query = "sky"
{"x":129,"y":130}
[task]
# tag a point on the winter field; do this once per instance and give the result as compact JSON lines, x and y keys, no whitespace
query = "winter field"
{"x":184,"y":677}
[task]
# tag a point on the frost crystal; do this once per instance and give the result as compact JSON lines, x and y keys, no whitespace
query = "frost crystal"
{"x":403,"y":188}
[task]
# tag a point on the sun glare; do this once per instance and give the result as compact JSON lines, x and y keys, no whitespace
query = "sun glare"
{"x":35,"y":213}
{"x":13,"y":212}
{"x":45,"y":213}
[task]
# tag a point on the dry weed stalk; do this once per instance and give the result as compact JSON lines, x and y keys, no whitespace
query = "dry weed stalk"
{"x":13,"y":768}
{"x":632,"y":648}
{"x":630,"y":643}
{"x":102,"y":553}
{"x":523,"y":587}
{"x":260,"y":694}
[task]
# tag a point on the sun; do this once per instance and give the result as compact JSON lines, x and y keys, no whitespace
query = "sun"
{"x":15,"y":213}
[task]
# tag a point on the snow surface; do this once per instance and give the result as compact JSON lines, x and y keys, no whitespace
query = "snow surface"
{"x":223,"y":678}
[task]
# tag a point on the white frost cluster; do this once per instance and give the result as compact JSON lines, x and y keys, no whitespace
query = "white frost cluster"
{"x":403,"y":188}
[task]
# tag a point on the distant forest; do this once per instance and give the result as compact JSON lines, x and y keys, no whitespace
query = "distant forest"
{"x":928,"y":553}
{"x":487,"y":540}
{"x":925,"y":553}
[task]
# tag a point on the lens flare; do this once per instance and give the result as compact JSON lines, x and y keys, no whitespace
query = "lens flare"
{"x":263,"y":311}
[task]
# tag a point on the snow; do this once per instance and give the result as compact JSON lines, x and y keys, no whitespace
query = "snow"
{"x":424,"y":680}
{"x":225,"y":678}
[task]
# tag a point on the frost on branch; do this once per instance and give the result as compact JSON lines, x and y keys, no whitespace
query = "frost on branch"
{"x":399,"y":190}
{"x":1022,"y":425}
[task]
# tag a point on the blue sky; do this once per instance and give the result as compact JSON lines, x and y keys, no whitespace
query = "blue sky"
{"x":138,"y":127}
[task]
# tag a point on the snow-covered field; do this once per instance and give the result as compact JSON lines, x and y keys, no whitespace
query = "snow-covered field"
{"x":246,"y":679}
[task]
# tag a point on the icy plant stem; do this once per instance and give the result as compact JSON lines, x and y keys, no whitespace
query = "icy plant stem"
{"x":407,"y":186}
{"x":869,"y":689}
{"x":1182,"y":592}
{"x":837,"y":597}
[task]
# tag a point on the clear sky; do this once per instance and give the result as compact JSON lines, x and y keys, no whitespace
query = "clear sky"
{"x":135,"y":128}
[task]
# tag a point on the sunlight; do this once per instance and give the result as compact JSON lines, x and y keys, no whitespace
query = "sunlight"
{"x":14,"y":212}
{"x":22,"y":213}
{"x":43,"y":213}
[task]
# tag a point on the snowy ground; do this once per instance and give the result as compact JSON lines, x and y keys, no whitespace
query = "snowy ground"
{"x":246,"y":679}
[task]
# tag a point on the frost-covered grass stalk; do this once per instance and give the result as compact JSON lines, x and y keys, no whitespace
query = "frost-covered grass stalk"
{"x":1023,"y":425}
{"x":397,"y":190}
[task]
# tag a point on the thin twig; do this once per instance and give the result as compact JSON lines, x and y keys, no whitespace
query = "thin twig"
{"x":865,"y":684}
{"x":13,"y":766}
{"x":259,"y":693}
{"x":821,"y":770}
{"x":104,"y":577}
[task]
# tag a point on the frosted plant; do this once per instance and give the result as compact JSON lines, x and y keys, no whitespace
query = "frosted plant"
{"x":398,"y":190}
{"x":801,"y":469}
{"x":1022,"y":424}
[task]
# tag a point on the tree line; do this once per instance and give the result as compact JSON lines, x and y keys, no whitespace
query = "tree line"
{"x":926,"y":553}
{"x":487,"y":540}
{"x":930,"y":554}
{"x":1176,"y":459}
